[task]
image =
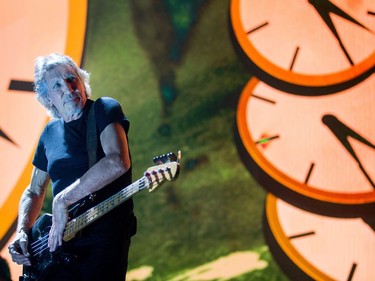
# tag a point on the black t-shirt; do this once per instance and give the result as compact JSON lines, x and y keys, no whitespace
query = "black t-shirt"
{"x":62,"y":150}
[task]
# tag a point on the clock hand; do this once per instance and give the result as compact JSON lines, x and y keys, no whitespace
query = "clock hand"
{"x":324,"y":8}
{"x":320,"y":5}
{"x":370,"y":220}
{"x":342,"y":132}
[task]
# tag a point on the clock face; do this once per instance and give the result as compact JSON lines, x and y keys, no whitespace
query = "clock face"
{"x":324,"y":248}
{"x":312,"y":43}
{"x":318,"y":147}
{"x":25,"y":36}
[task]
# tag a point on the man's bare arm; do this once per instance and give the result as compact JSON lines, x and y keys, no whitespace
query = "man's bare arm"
{"x":114,"y":164}
{"x":29,"y":209}
{"x":32,"y":199}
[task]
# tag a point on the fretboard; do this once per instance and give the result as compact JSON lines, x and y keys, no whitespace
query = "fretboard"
{"x":91,"y":215}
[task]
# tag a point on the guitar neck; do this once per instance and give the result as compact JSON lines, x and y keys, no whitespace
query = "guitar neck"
{"x":94,"y":213}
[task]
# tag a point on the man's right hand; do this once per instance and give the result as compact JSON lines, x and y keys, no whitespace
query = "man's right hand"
{"x":18,"y":249}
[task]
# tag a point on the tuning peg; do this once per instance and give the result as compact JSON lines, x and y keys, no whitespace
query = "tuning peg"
{"x":172,"y":157}
{"x":169,"y":157}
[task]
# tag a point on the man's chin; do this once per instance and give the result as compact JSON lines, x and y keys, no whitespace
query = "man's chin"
{"x":74,"y":113}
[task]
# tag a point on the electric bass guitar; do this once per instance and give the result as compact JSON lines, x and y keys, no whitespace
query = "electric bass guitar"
{"x":167,"y":168}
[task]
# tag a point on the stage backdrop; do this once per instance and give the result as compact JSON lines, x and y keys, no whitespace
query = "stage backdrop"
{"x":270,"y":102}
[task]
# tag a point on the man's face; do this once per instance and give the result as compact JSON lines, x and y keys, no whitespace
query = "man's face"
{"x":66,"y":92}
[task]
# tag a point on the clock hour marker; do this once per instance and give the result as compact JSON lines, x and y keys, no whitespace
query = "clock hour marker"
{"x":302,"y":235}
{"x":352,"y":270}
{"x":263,"y":99}
{"x":309,"y":173}
{"x":294,"y":58}
{"x":371,"y":13}
{"x":19,"y":85}
{"x":6,"y":137}
{"x":257,"y":28}
{"x":265,"y":139}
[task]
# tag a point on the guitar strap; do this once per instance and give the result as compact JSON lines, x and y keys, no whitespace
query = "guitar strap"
{"x":92,"y":146}
{"x":91,"y":136}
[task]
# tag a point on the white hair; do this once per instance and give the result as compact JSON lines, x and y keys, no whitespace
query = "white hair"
{"x":46,"y":63}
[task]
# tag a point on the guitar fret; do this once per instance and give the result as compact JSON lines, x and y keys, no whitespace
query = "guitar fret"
{"x":99,"y":210}
{"x":102,"y":208}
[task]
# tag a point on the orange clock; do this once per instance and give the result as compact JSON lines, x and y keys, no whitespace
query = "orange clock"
{"x":315,"y":247}
{"x":28,"y":29}
{"x":312,"y":150}
{"x":311,"y":47}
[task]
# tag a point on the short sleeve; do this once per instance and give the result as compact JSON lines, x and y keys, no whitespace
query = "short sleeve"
{"x":107,"y":111}
{"x":40,"y":159}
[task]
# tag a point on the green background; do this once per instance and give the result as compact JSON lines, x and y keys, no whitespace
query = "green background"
{"x":215,"y":207}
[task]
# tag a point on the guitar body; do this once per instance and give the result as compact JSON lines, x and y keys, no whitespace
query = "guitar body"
{"x":43,"y":262}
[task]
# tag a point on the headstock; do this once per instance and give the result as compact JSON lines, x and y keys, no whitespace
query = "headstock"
{"x":166,"y":158}
{"x":167,"y":169}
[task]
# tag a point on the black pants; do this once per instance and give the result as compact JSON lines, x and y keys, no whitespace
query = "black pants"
{"x":102,"y":252}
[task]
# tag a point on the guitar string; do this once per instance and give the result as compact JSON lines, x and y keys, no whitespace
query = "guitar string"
{"x":130,"y":190}
{"x":41,"y":241}
{"x":40,"y":246}
{"x":88,"y":216}
{"x":105,"y":206}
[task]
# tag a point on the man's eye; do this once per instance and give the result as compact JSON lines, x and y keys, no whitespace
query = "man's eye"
{"x":71,"y":78}
{"x":57,"y":86}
